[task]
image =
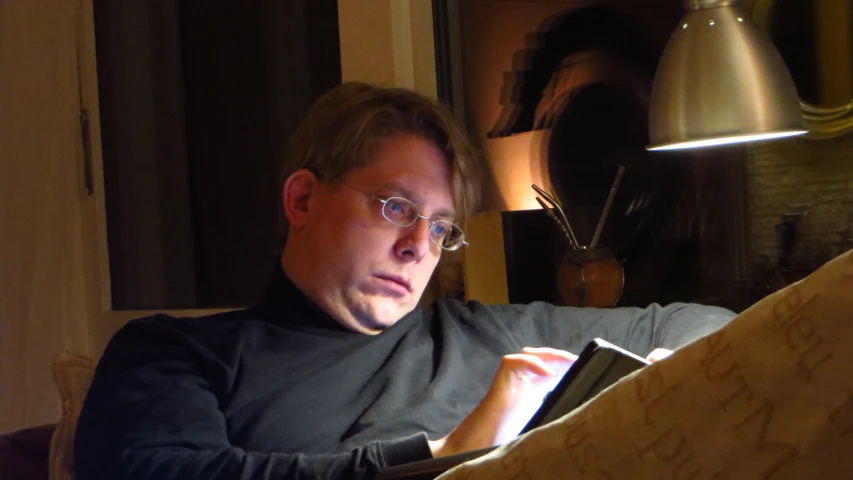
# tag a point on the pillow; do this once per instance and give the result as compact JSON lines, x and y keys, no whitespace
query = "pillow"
{"x":768,"y":396}
{"x":73,"y":374}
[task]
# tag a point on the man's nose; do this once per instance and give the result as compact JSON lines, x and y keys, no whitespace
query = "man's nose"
{"x":414,"y":243}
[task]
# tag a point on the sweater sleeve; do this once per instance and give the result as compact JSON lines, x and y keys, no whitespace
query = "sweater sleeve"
{"x":639,"y":330}
{"x":153,"y":411}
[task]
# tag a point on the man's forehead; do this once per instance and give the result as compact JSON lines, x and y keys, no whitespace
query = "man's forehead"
{"x":412,"y":167}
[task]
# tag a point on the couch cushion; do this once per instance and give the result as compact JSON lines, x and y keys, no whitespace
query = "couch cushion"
{"x":73,"y":374}
{"x":24,"y":453}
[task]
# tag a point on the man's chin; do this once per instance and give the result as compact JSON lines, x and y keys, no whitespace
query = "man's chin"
{"x":387,"y":313}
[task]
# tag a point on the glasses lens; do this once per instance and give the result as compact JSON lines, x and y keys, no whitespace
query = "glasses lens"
{"x":446,"y":234}
{"x":400,"y":211}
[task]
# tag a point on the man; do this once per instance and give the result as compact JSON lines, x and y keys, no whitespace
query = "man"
{"x":337,"y":373}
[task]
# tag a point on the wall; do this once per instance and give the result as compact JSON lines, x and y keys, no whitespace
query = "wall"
{"x":811,"y":178}
{"x":802,"y":176}
{"x":43,"y":292}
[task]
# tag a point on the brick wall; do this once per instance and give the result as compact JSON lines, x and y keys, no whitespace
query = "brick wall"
{"x":814,"y":178}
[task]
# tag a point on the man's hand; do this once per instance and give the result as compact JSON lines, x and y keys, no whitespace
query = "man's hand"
{"x":658,"y":354}
{"x":517,"y":390}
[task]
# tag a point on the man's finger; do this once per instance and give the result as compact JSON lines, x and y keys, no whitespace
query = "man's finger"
{"x":529,"y":365}
{"x":550,"y":354}
{"x":658,"y":354}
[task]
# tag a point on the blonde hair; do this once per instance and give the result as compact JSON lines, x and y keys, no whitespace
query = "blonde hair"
{"x":344,"y":124}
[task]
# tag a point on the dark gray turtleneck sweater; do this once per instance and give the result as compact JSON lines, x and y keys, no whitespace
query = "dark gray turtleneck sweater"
{"x":282,"y":391}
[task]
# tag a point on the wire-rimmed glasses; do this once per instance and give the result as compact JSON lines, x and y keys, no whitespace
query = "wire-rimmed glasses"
{"x":404,"y":213}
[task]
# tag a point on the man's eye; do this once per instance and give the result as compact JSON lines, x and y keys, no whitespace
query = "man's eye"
{"x":395,"y":207}
{"x":439,"y":229}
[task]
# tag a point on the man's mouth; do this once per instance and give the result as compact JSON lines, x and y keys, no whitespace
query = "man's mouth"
{"x":396,"y":280}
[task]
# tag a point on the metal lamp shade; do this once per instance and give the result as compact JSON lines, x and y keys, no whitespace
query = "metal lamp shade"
{"x":720,"y":81}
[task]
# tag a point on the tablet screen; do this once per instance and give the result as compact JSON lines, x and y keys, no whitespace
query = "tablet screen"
{"x":599,"y":365}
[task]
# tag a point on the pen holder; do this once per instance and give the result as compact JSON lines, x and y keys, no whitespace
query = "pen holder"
{"x":590,"y":278}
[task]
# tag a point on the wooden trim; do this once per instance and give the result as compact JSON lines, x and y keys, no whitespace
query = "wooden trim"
{"x":443,"y":59}
{"x":94,"y":210}
{"x":485,"y":259}
{"x":448,"y":55}
{"x":389,"y":43}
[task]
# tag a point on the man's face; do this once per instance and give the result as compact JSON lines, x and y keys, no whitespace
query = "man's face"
{"x":366,"y":271}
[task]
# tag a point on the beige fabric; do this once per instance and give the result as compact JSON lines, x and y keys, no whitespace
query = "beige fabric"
{"x":73,"y":375}
{"x":770,"y":396}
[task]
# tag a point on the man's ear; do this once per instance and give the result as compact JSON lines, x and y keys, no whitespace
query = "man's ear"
{"x":295,"y":194}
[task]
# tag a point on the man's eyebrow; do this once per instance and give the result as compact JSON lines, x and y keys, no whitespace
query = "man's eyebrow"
{"x":399,"y":190}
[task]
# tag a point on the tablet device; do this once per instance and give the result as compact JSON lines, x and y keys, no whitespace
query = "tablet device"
{"x":598,"y":366}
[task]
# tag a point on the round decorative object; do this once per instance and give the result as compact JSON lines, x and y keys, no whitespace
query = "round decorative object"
{"x":590,"y":278}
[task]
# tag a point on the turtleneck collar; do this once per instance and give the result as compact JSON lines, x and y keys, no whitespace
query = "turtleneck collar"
{"x":284,"y":304}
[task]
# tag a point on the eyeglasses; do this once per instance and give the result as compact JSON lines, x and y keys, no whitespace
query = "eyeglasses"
{"x":404,"y":213}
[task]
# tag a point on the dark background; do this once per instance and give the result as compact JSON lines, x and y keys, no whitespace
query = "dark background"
{"x":198,"y":101}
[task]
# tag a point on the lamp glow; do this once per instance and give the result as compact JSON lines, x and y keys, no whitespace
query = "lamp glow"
{"x":713,"y":142}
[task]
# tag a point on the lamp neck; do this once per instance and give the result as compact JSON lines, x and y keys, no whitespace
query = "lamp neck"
{"x":702,"y":4}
